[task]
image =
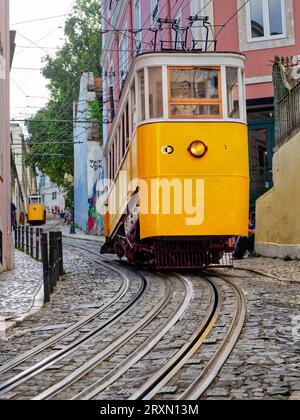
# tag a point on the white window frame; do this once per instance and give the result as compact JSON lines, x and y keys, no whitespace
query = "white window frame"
{"x":266,"y":18}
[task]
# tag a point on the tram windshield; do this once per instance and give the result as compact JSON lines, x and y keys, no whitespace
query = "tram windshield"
{"x":195,"y":92}
{"x":35,"y":200}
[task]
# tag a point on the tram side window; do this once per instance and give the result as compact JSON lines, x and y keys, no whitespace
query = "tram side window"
{"x":124,"y":123}
{"x":133,"y":108}
{"x":127,"y":126}
{"x":113,"y":161}
{"x":195,"y":93}
{"x":233,"y":92}
{"x":141,"y":78}
{"x":155,"y":92}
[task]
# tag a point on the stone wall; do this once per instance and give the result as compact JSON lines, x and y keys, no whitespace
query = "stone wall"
{"x":278,"y":211}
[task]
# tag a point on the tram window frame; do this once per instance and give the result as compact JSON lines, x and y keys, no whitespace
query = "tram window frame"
{"x":123,"y":139}
{"x":32,"y":201}
{"x":119,"y":151}
{"x":196,"y":102}
{"x":108,"y":165}
{"x":127,"y":131}
{"x":141,"y":94}
{"x":159,"y":114}
{"x":234,"y":106}
{"x":133,"y":119}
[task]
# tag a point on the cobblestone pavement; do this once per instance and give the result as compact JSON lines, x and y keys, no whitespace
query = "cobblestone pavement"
{"x":265,"y":363}
{"x":85,"y":288}
{"x":288,"y":270}
{"x":19,"y":288}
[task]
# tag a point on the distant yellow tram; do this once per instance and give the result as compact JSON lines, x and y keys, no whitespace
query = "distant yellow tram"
{"x":177,"y":155}
{"x":36,"y":213}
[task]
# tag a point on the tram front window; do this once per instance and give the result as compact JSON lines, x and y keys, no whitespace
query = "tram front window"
{"x":195,"y":93}
{"x":34,"y":201}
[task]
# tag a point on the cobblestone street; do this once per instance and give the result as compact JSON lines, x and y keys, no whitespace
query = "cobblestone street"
{"x":264,"y":364}
{"x":20,"y":290}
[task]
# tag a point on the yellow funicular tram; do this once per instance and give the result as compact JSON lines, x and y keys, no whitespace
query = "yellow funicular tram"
{"x":36,"y":213}
{"x":177,"y":156}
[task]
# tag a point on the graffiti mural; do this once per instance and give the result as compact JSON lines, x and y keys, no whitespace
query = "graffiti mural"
{"x":95,"y":224}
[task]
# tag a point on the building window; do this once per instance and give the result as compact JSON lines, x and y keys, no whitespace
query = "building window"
{"x":177,"y":36}
{"x":154,"y":10}
{"x":266,"y":19}
{"x":54,"y":196}
{"x":110,"y":8}
{"x":42,"y":181}
{"x":138,"y":27}
{"x":123,"y":60}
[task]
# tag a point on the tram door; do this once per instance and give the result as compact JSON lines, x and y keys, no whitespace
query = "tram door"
{"x":261,"y":145}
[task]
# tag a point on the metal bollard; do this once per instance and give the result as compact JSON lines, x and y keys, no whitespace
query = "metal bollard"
{"x":61,"y":258}
{"x":16,"y":238}
{"x":31,"y":241}
{"x":44,"y":243}
{"x":57,"y":256}
{"x":27,"y":239}
{"x":37,"y":244}
{"x":51,"y":261}
{"x":18,"y":235}
{"x":22,"y":237}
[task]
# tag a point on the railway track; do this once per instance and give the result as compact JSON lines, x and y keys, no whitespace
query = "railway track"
{"x":80,"y":327}
{"x":92,"y":378}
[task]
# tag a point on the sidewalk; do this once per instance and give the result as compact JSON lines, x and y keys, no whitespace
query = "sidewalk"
{"x":285,"y":270}
{"x":21,"y":291}
{"x":65,"y":229}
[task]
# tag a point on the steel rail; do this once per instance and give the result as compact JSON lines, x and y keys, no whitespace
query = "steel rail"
{"x":61,"y":354}
{"x":112,"y":376}
{"x":107,"y":352}
{"x":213,"y":367}
{"x":160,"y":378}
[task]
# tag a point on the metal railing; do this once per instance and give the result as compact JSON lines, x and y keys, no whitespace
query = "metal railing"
{"x":28,"y":239}
{"x":287,"y":100}
{"x":46,"y":247}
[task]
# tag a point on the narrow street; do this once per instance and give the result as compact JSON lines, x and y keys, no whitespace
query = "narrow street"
{"x":137,"y":319}
{"x":149,"y":203}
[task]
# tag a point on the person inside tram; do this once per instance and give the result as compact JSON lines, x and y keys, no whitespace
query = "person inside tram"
{"x":185,"y":109}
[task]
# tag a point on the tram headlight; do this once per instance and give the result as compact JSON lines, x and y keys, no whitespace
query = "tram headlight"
{"x":198,"y":149}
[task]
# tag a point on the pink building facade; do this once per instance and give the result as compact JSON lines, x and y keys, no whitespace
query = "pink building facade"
{"x":6,"y":248}
{"x":260,"y":29}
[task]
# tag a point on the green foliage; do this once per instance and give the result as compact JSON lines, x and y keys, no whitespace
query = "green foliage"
{"x":54,"y":123}
{"x":96,"y":114}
